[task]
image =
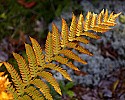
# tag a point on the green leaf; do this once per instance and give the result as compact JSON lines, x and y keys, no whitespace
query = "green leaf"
{"x":70,"y":93}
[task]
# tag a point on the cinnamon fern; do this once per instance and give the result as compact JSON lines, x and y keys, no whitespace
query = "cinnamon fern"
{"x":30,"y":82}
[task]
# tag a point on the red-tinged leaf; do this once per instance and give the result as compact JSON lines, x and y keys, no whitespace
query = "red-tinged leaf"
{"x":80,"y":73}
{"x":26,"y":4}
{"x":30,"y":4}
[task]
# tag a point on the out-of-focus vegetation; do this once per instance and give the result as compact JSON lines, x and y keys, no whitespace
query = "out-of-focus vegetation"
{"x":16,"y":15}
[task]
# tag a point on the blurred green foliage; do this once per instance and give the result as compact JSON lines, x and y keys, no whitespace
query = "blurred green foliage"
{"x":15,"y":17}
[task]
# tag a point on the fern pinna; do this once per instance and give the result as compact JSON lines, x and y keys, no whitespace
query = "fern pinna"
{"x":30,"y":85}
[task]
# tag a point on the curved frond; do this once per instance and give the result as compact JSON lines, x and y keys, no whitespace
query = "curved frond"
{"x":38,"y":52}
{"x":43,"y":88}
{"x":32,"y":60}
{"x":72,"y":55}
{"x":73,"y":26}
{"x":64,"y":34}
{"x":48,"y":48}
{"x":24,"y":69}
{"x":49,"y":78}
{"x":56,"y":39}
{"x":15,"y":77}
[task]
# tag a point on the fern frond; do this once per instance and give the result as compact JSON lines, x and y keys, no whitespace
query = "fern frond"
{"x":79,"y":48}
{"x":15,"y":77}
{"x":64,"y":34}
{"x":100,"y":17}
{"x":83,"y":50}
{"x":73,"y":26}
{"x":82,"y":40}
{"x":32,"y":60}
{"x":24,"y":69}
{"x":48,"y":77}
{"x":38,"y":52}
{"x":48,"y":48}
{"x":34,"y":93}
{"x":58,"y":69}
{"x":72,"y":55}
{"x":101,"y":22}
{"x":56,"y":39}
{"x":72,"y":66}
{"x":91,"y":35}
{"x":105,"y":16}
{"x":79,"y":29}
{"x":63,"y":60}
{"x":93,"y":23}
{"x":43,"y":88}
{"x":87,"y":21}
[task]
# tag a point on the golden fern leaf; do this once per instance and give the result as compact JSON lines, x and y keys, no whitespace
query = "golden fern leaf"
{"x":91,"y":35}
{"x":48,"y":77}
{"x":79,"y":29}
{"x":24,"y":69}
{"x":48,"y":48}
{"x":56,"y":39}
{"x":58,"y":69}
{"x":38,"y":52}
{"x":102,"y":23}
{"x":87,"y":21}
{"x":79,"y":48}
{"x":73,"y":26}
{"x":72,"y":55}
{"x":83,"y":50}
{"x":64,"y":34}
{"x":32,"y":60}
{"x":43,"y":88}
{"x":100,"y":17}
{"x":63,"y":60}
{"x":72,"y":45}
{"x":15,"y":77}
{"x":72,"y":66}
{"x":82,"y":40}
{"x":109,"y":20}
{"x":105,"y":16}
{"x":100,"y":28}
{"x":93,"y":22}
{"x":34,"y":93}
